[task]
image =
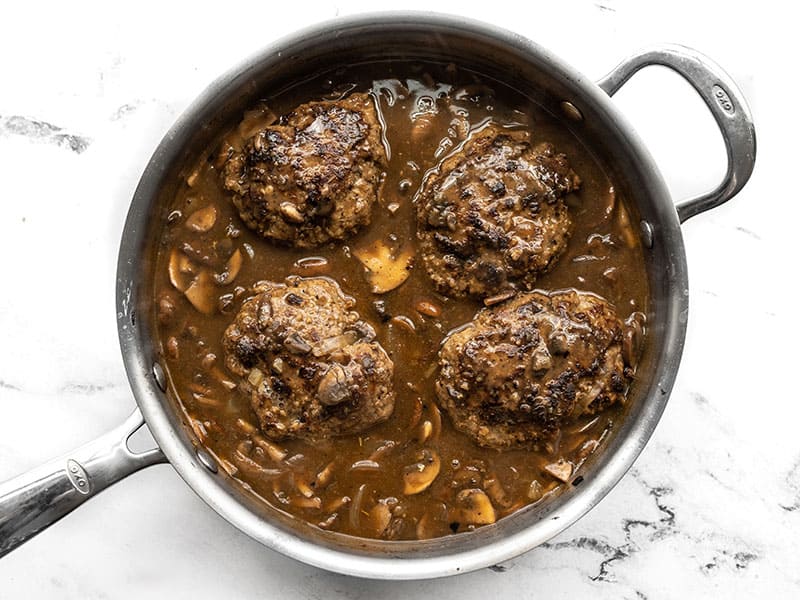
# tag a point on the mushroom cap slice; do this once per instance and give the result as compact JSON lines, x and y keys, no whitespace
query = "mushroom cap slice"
{"x":419,"y":476}
{"x":473,"y":507}
{"x":181,"y":270}
{"x":385,"y":270}
{"x":203,"y":219}
{"x":201,"y":293}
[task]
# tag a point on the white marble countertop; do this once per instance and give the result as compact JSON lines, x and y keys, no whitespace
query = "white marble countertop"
{"x":711,"y":507}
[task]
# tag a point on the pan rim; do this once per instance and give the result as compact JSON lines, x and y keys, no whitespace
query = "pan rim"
{"x":209,"y":487}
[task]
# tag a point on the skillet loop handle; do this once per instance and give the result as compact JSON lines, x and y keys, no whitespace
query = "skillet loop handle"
{"x":35,"y":500}
{"x":726,"y":103}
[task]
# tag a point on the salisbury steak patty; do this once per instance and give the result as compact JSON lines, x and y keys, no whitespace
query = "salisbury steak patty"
{"x":314,"y":176}
{"x":520,"y":370}
{"x":491,"y":216}
{"x":311,"y":367}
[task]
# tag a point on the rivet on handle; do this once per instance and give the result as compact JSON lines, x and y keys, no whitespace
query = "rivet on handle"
{"x":160,"y":376}
{"x":206,"y":460}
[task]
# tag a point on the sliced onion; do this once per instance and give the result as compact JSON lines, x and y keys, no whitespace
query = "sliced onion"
{"x":355,"y":507}
{"x":336,"y":342}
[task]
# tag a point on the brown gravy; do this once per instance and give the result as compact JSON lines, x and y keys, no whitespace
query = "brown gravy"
{"x":354,"y":485}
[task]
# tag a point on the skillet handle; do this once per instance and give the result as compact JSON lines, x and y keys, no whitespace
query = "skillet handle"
{"x":35,"y":500}
{"x":724,"y":100}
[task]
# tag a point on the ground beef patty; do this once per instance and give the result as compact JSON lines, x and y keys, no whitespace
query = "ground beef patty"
{"x":311,"y":367}
{"x":314,"y":176}
{"x":520,"y":370}
{"x":491,"y":216}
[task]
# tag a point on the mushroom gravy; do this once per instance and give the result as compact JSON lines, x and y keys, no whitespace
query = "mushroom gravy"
{"x":368,"y":485}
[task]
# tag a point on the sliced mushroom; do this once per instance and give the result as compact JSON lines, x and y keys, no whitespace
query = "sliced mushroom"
{"x":473,"y":507}
{"x":433,"y":522}
{"x":561,"y":470}
{"x":419,"y":476}
{"x":379,"y":517}
{"x":232,"y":268}
{"x":334,"y":387}
{"x":181,"y":270}
{"x":385,"y":270}
{"x":203,"y":219}
{"x":201,"y":293}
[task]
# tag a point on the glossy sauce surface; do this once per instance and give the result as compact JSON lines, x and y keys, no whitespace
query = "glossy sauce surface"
{"x":355,"y":484}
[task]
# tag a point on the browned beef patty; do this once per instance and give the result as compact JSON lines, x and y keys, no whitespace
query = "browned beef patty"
{"x":314,"y":176}
{"x":310,"y":365}
{"x":491,"y":217}
{"x":520,"y":370}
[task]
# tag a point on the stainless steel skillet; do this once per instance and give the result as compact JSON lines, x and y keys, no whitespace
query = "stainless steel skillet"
{"x":32,"y":501}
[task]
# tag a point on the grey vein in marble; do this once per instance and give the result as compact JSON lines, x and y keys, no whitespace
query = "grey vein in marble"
{"x":793,"y":483}
{"x":9,"y":386}
{"x":124,"y":111}
{"x":43,"y":131}
{"x":746,"y":231}
{"x":605,"y":7}
{"x":665,"y":526}
{"x":79,"y":387}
